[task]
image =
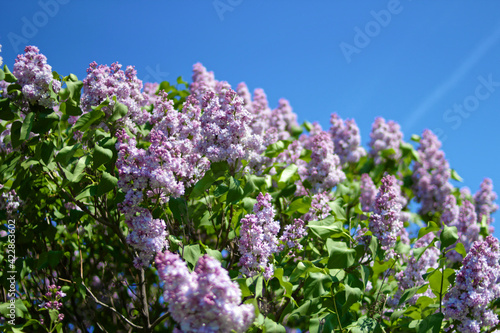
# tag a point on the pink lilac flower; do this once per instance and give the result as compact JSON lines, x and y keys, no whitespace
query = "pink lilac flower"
{"x":245,"y":95}
{"x":10,"y":202}
{"x":292,"y":234}
{"x":368,"y":192}
{"x":283,"y":119}
{"x":35,"y":77}
{"x":319,"y":207}
{"x":412,"y":275}
{"x":346,"y":139}
{"x":225,"y":126}
{"x":485,"y":203}
{"x":147,"y":235}
{"x":104,"y":82}
{"x":431,"y":175}
{"x":52,"y":300}
{"x":323,"y":171}
{"x":385,"y":222}
{"x":165,"y":169}
{"x":205,"y":300}
{"x":150,"y":95}
{"x":476,"y":286}
{"x":203,"y":82}
{"x":385,"y":135}
{"x":467,"y":227}
{"x":258,"y":238}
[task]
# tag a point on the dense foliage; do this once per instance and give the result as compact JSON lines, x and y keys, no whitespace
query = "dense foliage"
{"x":199,"y":208}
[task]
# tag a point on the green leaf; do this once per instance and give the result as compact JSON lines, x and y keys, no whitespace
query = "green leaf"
{"x":259,"y":286}
{"x":107,"y":183}
{"x":300,"y":205}
{"x":9,"y":77}
{"x":431,"y":227}
{"x":316,"y":285}
{"x":278,"y":273}
{"x":408,"y":294}
{"x":431,"y":324}
{"x":87,"y":119}
{"x":270,"y":326}
{"x":461,"y":249}
{"x":2,"y":75}
{"x":327,"y":228}
{"x":27,"y":125}
{"x":339,"y":255}
{"x":449,"y":236}
{"x":352,"y":295}
{"x":66,"y":153}
{"x":235,"y":192}
{"x":119,"y":110}
{"x":192,"y":253}
{"x":88,"y":191}
{"x":5,"y":112}
{"x":101,"y":155}
{"x":50,"y":258}
{"x":302,"y":268}
{"x":245,"y":291}
{"x":387,"y":152}
{"x":288,"y":173}
{"x":454,"y":175}
{"x":77,"y":173}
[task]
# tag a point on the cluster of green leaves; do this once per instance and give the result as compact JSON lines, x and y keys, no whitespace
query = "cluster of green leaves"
{"x":69,"y":232}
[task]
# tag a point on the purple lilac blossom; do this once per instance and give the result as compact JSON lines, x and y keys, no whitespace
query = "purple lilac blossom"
{"x":412,"y":275}
{"x":346,"y":139}
{"x":450,"y":211}
{"x":467,"y":227}
{"x":205,"y":300}
{"x":244,"y":93}
{"x":165,"y":169}
{"x":385,"y":222}
{"x":476,"y":286}
{"x":320,"y":209}
{"x":10,"y":202}
{"x":485,"y":202}
{"x":258,"y":238}
{"x":323,"y":171}
{"x":283,"y":119}
{"x":385,"y":135}
{"x":104,"y":82}
{"x":35,"y":77}
{"x":292,"y":234}
{"x":150,"y":90}
{"x":203,"y":82}
{"x":52,"y":300}
{"x":225,"y":126}
{"x":431,"y":175}
{"x":368,"y":192}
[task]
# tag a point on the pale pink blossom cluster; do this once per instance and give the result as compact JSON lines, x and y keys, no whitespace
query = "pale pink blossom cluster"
{"x":346,"y":139}
{"x":205,"y":300}
{"x":104,"y":81}
{"x":320,"y":209}
{"x":385,"y":135}
{"x":385,"y":222}
{"x":35,"y":77}
{"x":431,"y":175}
{"x":485,"y":203}
{"x":259,"y":238}
{"x":476,"y":286}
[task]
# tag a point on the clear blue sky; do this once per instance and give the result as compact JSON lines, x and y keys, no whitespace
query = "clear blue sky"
{"x":424,"y":64}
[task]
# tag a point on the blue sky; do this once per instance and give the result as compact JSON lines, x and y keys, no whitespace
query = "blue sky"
{"x":424,"y":64}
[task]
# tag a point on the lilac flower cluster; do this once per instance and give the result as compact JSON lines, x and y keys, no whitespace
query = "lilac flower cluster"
{"x":203,"y":82}
{"x":52,"y":300}
{"x":10,"y":202}
{"x":385,"y":135}
{"x":324,"y":170}
{"x":225,"y":126}
{"x":35,"y":77}
{"x":104,"y":82}
{"x":292,"y":234}
{"x":149,"y":94}
{"x":485,"y":202}
{"x":166,"y":168}
{"x":205,"y":300}
{"x":368,"y":192}
{"x":412,"y":275}
{"x":431,"y":175}
{"x":346,"y":139}
{"x":283,"y":119}
{"x":258,"y":238}
{"x":476,"y":286}
{"x":320,"y":209}
{"x":385,"y":222}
